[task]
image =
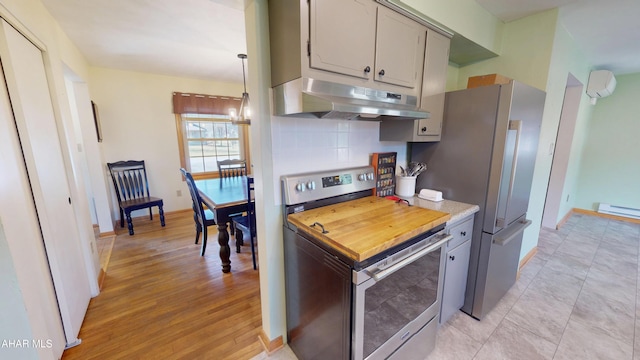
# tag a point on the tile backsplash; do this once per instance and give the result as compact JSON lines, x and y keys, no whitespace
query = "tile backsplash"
{"x":302,"y":145}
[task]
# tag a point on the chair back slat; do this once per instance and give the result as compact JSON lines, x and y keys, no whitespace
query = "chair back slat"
{"x":232,"y":168}
{"x":128,"y":186}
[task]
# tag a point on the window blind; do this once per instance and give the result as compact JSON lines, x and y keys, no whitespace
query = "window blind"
{"x":188,"y":103}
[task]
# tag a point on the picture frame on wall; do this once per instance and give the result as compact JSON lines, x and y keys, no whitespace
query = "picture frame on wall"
{"x":96,"y":120}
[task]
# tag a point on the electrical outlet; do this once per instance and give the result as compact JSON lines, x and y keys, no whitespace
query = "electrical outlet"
{"x":178,"y":193}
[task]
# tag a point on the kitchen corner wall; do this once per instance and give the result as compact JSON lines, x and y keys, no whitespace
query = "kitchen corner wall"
{"x":609,"y":168}
{"x":302,"y":145}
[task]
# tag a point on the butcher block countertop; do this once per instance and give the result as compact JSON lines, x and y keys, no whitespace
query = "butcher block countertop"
{"x":365,"y":227}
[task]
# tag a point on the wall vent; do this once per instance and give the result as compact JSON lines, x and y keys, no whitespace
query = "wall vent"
{"x":619,"y":211}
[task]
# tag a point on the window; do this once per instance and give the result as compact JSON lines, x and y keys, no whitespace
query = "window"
{"x":206,"y":135}
{"x":207,"y":139}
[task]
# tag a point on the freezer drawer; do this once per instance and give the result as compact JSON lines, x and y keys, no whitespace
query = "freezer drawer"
{"x":502,"y":267}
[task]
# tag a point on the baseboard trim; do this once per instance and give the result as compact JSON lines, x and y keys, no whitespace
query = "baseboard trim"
{"x":270,"y":346}
{"x":525,"y":260}
{"x":528,"y":257}
{"x":606,"y":216}
{"x":107,"y":234}
{"x":564,"y":219}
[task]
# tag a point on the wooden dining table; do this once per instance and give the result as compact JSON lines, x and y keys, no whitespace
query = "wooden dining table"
{"x":225,"y":197}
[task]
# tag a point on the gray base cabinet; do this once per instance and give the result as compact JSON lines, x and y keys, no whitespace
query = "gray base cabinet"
{"x":457,"y":255}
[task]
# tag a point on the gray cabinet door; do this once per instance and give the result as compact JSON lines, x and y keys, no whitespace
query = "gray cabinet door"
{"x":343,"y":36}
{"x":399,"y":49}
{"x":434,"y":83}
{"x":455,"y":280}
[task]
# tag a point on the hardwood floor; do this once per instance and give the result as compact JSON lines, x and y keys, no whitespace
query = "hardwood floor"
{"x":162,"y":300}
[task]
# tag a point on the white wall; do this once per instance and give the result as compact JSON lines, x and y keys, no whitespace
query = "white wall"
{"x":465,"y":17}
{"x":609,"y":168}
{"x":136,"y":112}
{"x":565,"y":58}
{"x":526,"y":52}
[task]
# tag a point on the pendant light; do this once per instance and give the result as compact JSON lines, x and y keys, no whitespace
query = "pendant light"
{"x":243,"y":116}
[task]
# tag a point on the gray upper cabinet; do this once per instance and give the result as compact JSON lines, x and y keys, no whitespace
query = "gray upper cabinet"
{"x":353,"y":42}
{"x":360,"y":38}
{"x":434,"y":83}
{"x":399,"y":49}
{"x":336,"y":44}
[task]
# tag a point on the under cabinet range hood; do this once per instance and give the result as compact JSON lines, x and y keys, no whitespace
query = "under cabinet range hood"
{"x":304,"y":97}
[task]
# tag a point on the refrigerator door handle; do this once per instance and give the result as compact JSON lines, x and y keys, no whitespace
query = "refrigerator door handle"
{"x":517,"y":126}
{"x":502,"y":241}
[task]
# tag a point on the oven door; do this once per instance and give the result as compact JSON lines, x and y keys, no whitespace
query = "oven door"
{"x":395,"y":298}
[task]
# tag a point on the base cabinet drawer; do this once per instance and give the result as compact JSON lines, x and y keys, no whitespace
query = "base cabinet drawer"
{"x":461,"y":232}
{"x":455,"y":283}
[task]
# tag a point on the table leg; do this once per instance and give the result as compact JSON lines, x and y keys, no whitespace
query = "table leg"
{"x":225,"y":251}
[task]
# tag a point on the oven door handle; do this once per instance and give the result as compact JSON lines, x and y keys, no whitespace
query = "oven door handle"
{"x":379,"y":275}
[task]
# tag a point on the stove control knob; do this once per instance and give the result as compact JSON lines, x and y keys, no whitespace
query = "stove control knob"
{"x":311,"y":185}
{"x":300,"y":187}
{"x":362,"y":177}
{"x":370,"y":176}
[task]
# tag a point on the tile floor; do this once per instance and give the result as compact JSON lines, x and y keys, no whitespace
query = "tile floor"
{"x":577,"y":298}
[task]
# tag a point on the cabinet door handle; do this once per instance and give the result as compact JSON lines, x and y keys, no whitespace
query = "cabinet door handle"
{"x":367,"y":69}
{"x":381,"y":73}
{"x":452,"y":257}
{"x":463,"y":233}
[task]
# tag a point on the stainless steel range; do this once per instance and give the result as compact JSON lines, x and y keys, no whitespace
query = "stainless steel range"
{"x":344,"y":301}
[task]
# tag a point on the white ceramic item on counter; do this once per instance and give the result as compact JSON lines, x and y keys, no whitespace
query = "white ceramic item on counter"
{"x":406,"y":185}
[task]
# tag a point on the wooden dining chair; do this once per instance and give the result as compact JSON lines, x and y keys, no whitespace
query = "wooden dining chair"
{"x":132,"y":190}
{"x":246,"y":224}
{"x":203,"y":217}
{"x":232,"y":168}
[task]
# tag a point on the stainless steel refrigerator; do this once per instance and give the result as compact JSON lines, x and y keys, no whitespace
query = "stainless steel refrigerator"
{"x":486,"y":157}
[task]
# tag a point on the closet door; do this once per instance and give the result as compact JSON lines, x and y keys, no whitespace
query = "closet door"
{"x":24,"y":241}
{"x":31,"y":103}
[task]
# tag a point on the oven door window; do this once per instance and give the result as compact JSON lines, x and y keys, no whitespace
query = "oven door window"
{"x":392,"y":303}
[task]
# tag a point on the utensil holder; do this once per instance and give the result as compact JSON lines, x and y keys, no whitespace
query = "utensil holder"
{"x":406,"y":185}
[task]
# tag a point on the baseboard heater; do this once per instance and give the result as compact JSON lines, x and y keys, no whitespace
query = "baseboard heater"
{"x":619,"y":211}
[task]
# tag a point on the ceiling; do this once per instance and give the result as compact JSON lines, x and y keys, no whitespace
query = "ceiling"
{"x":608,"y":32}
{"x":187,"y":38}
{"x":201,"y":38}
